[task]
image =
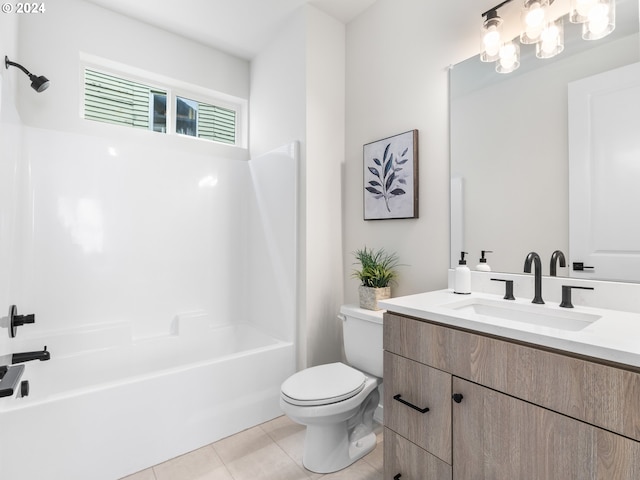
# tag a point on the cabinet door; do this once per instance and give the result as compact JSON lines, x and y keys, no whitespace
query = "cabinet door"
{"x":401,"y":457}
{"x":422,"y":387}
{"x":496,"y":436}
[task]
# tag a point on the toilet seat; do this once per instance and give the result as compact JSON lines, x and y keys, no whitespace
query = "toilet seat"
{"x":323,"y":385}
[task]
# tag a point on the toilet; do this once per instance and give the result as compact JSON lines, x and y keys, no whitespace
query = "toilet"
{"x":337,"y":402}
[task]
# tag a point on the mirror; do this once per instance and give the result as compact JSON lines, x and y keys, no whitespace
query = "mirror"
{"x":509,"y":148}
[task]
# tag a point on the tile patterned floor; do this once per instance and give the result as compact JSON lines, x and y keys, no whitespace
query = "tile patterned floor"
{"x":271,"y":451}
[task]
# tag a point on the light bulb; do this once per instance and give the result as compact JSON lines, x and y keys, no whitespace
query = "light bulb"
{"x":491,"y":41}
{"x":532,"y":19}
{"x":580,"y":10}
{"x":551,"y":40}
{"x":583,"y":7}
{"x":535,"y":16}
{"x":509,"y":58}
{"x":598,"y":19}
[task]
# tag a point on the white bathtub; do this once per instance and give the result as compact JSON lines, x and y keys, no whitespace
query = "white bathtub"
{"x":117,"y":406}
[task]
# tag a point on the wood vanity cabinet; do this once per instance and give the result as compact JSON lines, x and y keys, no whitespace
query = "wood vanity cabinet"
{"x":471,"y":406}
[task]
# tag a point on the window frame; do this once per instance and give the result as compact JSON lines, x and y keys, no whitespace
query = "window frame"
{"x":174,"y":89}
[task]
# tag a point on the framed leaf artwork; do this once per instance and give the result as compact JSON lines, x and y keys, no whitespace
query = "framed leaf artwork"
{"x":391,"y":177}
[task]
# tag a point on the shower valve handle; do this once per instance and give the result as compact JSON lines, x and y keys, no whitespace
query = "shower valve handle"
{"x":16,"y":320}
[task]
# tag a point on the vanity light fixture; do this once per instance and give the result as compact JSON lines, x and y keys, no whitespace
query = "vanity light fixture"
{"x":533,"y":18}
{"x":551,"y":41}
{"x":597,"y":18}
{"x":509,"y":57}
{"x":38,"y":83}
{"x":491,"y":36}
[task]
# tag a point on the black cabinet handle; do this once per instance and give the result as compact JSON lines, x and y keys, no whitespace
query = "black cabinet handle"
{"x":397,"y":477}
{"x":421,"y":410}
{"x":457,"y":397}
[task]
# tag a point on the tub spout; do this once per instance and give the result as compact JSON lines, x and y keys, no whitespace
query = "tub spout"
{"x":28,"y":356}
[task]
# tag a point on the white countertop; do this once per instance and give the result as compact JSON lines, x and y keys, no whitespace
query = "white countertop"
{"x":614,"y":337}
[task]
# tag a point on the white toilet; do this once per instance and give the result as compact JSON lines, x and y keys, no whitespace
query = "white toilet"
{"x":336,"y":401}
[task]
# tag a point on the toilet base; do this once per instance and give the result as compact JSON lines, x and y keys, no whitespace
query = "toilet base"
{"x":329,"y":447}
{"x":333,"y":449}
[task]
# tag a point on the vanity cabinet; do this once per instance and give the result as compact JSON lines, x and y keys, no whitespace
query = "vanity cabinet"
{"x":520,"y":411}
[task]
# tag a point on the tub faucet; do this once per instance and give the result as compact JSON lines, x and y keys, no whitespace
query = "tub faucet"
{"x":28,"y":356}
{"x":535,"y":258}
{"x":555,"y":257}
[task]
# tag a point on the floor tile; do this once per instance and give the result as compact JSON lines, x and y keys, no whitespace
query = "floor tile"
{"x":201,"y":464}
{"x":376,"y":458}
{"x":271,"y":451}
{"x":290,"y":437}
{"x":253,"y":454}
{"x":143,"y":475}
{"x":360,"y":470}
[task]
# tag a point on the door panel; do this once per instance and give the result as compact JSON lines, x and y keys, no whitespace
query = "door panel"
{"x":604,"y":174}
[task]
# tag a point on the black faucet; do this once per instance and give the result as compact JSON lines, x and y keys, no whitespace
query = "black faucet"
{"x":535,"y":258}
{"x":28,"y":356}
{"x":555,"y":257}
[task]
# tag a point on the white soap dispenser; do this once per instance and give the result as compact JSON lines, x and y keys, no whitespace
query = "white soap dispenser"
{"x":462,"y":277}
{"x":483,"y":266}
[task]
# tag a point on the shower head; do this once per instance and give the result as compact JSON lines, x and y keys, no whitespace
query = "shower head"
{"x":38,"y":83}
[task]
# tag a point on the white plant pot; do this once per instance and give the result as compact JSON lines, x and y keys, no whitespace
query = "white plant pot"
{"x":369,"y":296}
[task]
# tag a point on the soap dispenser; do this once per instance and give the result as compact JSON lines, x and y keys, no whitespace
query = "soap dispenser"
{"x":483,"y":266}
{"x":462,"y":277}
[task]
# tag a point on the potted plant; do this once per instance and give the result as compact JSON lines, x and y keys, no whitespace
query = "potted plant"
{"x":376,"y":274}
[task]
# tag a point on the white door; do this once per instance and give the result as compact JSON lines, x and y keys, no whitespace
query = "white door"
{"x":604,"y":175}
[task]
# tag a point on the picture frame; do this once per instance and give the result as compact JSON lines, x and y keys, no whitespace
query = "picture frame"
{"x":390,"y":177}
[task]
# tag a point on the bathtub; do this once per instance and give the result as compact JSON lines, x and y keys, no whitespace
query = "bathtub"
{"x":107,"y":405}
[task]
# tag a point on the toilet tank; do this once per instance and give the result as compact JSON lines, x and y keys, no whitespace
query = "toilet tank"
{"x":362,"y":336}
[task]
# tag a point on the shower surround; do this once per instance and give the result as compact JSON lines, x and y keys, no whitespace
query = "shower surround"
{"x":146,"y":265}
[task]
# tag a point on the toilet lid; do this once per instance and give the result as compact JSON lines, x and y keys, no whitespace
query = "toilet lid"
{"x":323,"y":384}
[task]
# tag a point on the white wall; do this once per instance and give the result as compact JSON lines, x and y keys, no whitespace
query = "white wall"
{"x":297,"y":93}
{"x":323,"y":178}
{"x":398,"y":53}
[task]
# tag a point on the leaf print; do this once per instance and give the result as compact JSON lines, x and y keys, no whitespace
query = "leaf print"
{"x":389,"y":175}
{"x":389,"y":181}
{"x":374,"y":171}
{"x":387,"y":167}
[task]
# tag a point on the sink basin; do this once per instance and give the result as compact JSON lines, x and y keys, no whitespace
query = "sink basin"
{"x":541,"y":315}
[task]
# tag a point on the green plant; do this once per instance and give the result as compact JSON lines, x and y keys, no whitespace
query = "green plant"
{"x":378,"y":267}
